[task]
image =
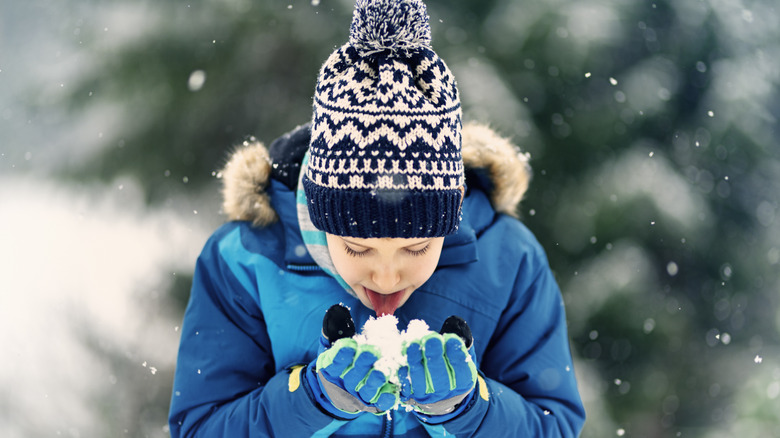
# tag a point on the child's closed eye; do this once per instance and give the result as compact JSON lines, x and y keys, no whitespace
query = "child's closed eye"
{"x":353,"y":253}
{"x":418,"y":252}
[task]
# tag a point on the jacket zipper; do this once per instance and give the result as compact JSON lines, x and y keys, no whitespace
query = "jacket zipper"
{"x":387,"y":426}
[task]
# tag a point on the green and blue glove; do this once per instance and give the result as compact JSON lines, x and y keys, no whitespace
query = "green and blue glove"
{"x":342,"y":379}
{"x":439,"y":380}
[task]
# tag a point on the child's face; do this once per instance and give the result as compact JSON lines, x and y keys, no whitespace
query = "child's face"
{"x":384,"y":272}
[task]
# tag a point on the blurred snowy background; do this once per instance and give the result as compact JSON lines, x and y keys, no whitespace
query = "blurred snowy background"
{"x":653,"y":132}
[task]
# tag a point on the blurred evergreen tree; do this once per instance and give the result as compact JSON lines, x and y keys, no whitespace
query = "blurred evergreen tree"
{"x":653,"y":133}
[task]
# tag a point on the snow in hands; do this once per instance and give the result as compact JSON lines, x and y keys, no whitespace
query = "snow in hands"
{"x":383,"y":335}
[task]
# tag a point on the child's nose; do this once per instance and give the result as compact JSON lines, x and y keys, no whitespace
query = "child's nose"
{"x":386,"y":278}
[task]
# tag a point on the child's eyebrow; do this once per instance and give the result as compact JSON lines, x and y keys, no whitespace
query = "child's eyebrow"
{"x":416,"y":244}
{"x":425,"y":242}
{"x":354,"y":243}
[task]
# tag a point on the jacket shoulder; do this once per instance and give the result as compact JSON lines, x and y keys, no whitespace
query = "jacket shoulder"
{"x":237,"y":240}
{"x":511,"y":238}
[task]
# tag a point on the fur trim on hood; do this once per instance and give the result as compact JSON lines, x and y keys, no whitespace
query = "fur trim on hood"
{"x":245,"y":178}
{"x":506,"y":171}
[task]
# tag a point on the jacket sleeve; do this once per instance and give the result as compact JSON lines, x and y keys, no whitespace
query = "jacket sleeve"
{"x":225,"y":382}
{"x":529,"y":388}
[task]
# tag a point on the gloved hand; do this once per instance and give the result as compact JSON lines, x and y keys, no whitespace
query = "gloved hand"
{"x":342,"y":378}
{"x":441,"y":374}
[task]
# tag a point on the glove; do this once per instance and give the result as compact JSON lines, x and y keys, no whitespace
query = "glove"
{"x":441,"y":374}
{"x":342,"y":378}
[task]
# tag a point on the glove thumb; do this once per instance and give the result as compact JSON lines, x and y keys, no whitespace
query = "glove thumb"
{"x":457,"y":325}
{"x":337,"y":323}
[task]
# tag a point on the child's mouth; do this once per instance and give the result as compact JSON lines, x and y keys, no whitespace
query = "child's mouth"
{"x":384,"y":304}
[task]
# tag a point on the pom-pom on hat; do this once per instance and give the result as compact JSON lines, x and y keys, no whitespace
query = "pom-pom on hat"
{"x":384,"y":157}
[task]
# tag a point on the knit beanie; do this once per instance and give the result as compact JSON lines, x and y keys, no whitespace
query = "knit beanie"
{"x":385,"y":150}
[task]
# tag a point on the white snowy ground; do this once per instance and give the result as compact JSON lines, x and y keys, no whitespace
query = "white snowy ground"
{"x":76,"y":261}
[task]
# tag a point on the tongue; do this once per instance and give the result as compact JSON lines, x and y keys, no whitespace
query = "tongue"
{"x":384,"y":304}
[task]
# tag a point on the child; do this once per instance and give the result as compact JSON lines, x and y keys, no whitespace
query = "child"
{"x":386,"y":205}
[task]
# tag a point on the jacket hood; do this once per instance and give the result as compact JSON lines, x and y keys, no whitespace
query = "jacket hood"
{"x":492,"y":163}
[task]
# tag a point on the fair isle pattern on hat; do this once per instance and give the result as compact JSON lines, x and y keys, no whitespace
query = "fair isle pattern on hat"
{"x":385,"y":155}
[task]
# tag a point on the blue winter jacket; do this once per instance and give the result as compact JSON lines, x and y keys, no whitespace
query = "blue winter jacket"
{"x":258,"y":298}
